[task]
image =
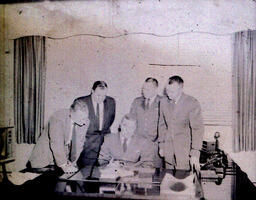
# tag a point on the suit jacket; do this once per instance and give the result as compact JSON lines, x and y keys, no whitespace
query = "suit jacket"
{"x":94,"y":137}
{"x":137,"y":150}
{"x":180,"y":130}
{"x":109,"y":114}
{"x":147,"y":120}
{"x":51,"y":147}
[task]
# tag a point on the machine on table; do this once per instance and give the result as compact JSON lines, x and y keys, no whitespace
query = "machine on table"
{"x":220,"y":176}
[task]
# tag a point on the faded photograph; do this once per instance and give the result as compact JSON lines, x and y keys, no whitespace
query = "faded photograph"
{"x":121,"y":99}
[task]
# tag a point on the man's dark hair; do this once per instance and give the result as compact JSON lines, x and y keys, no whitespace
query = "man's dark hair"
{"x":176,"y":79}
{"x":152,"y":80}
{"x":100,"y":84}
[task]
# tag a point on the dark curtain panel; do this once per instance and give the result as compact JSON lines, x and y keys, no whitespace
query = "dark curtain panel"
{"x":29,"y":85}
{"x":244,"y":91}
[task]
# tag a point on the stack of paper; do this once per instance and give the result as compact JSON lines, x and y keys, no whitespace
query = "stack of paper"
{"x":113,"y":172}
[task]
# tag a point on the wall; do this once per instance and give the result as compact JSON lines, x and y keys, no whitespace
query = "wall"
{"x":74,"y":64}
{"x":116,"y":17}
{"x":6,"y":71}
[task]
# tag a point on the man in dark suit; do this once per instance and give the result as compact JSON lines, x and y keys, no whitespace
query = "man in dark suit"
{"x":180,"y":127}
{"x":145,"y":110}
{"x":101,"y":114}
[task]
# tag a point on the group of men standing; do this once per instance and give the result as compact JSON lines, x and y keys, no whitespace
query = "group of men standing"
{"x":159,"y":131}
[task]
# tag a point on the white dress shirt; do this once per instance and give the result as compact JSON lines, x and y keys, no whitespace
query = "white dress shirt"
{"x":101,"y":106}
{"x":151,"y":100}
{"x":72,"y":124}
{"x":177,"y":99}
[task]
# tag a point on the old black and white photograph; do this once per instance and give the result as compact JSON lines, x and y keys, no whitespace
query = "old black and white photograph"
{"x":128,"y":99}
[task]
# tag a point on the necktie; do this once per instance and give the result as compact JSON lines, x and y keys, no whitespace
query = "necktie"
{"x":147,"y":104}
{"x":98,"y":115}
{"x":173,"y":101}
{"x":98,"y":110}
{"x":125,"y":145}
{"x":73,"y":145}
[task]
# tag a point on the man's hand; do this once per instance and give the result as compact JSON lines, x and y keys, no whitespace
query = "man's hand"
{"x":69,"y":168}
{"x":195,"y":162}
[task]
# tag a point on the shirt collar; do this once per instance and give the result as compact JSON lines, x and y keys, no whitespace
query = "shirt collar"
{"x":95,"y":103}
{"x":178,"y":98}
{"x":152,"y":99}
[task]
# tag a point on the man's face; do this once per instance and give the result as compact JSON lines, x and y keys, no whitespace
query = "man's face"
{"x":149,"y":90}
{"x":99,"y":94}
{"x":174,"y":90}
{"x":80,"y":117}
{"x":128,"y":127}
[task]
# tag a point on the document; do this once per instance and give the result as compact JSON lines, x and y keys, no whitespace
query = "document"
{"x":114,"y":171}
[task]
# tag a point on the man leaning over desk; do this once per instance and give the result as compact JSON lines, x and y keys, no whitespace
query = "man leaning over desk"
{"x":62,"y":141}
{"x":126,"y":148}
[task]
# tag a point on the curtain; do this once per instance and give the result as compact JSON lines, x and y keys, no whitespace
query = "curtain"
{"x":29,"y":87}
{"x":244,"y":91}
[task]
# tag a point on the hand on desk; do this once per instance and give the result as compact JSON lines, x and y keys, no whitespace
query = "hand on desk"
{"x":69,"y":168}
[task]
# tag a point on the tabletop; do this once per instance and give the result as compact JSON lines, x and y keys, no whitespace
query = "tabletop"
{"x":132,"y":183}
{"x":143,"y":183}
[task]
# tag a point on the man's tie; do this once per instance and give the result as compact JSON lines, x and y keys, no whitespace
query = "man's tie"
{"x":73,"y":145}
{"x":125,"y":145}
{"x":147,"y":104}
{"x":98,"y":115}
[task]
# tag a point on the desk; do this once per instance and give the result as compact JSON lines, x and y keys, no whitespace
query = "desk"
{"x":235,"y":185}
{"x":144,"y":184}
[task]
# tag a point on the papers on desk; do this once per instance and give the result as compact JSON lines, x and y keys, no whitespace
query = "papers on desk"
{"x":114,"y":172}
{"x":18,"y":178}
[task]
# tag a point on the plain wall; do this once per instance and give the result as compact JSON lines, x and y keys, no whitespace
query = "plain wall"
{"x":124,"y":63}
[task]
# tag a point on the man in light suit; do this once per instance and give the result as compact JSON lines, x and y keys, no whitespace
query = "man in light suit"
{"x":145,"y":110}
{"x":126,"y":147}
{"x":101,"y":114}
{"x":180,"y":127}
{"x":62,"y":140}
